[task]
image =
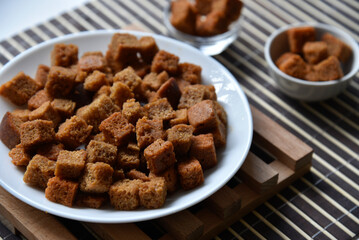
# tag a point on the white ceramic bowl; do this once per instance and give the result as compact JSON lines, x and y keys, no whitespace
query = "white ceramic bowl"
{"x":208,"y":45}
{"x":277,"y":44}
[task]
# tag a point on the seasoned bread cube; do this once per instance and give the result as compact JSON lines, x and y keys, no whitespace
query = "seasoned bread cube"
{"x":23,"y":114}
{"x":231,"y":9}
{"x":61,"y":191}
{"x":148,"y":48}
{"x":328,"y":69}
{"x":10,"y":130}
{"x":70,"y":164}
{"x":190,"y":174}
{"x":214,"y":23}
{"x":284,"y":57}
{"x":95,"y":81}
{"x":135,"y":174}
{"x":165,"y":61}
{"x":106,"y":90}
{"x":97,"y":178}
{"x":190,"y":72}
{"x":147,"y":131}
{"x":120,"y":93}
{"x":128,"y":157}
{"x":19,"y":156}
{"x":124,"y":194}
{"x":36,"y":132}
{"x":314,"y":52}
{"x":159,"y":156}
{"x":41,"y":75}
{"x":337,"y":48}
{"x":204,"y":150}
{"x":64,"y":55}
{"x":118,"y":174}
{"x":129,"y":77}
{"x":203,"y":7}
{"x":122,"y":47}
{"x":294,"y":66}
{"x":38,"y":99}
{"x":117,"y":129}
{"x":101,"y":152}
{"x":60,"y":81}
{"x":153,"y":193}
{"x":90,"y":200}
{"x":92,"y":62}
{"x":203,"y":115}
{"x":51,"y":151}
{"x":64,"y":107}
{"x":100,"y":109}
{"x":180,"y":118}
{"x":170,"y":176}
{"x":298,"y":36}
{"x":45,"y":112}
{"x":180,"y":136}
{"x":73,"y":132}
{"x":153,"y":81}
{"x":170,"y":91}
{"x":221,"y":113}
{"x":132,"y":111}
{"x":39,"y":171}
{"x":19,"y":89}
{"x":160,"y":109}
{"x":193,"y":94}
{"x":183,"y":16}
{"x":219,"y":134}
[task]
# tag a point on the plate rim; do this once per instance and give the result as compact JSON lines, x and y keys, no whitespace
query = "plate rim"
{"x":48,"y":209}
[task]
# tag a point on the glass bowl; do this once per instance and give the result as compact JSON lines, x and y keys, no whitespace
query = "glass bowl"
{"x":208,"y":45}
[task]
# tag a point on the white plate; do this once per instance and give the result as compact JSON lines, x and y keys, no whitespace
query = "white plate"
{"x":230,"y":159}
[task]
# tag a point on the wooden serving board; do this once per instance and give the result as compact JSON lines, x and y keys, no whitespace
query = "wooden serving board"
{"x":275,"y":160}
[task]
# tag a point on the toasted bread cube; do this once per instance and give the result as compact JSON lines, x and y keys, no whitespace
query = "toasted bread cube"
{"x":315,"y":52}
{"x":122,"y":47}
{"x":337,"y":48}
{"x":190,"y":72}
{"x":328,"y":69}
{"x":64,"y":55}
{"x":61,"y":191}
{"x":219,"y":133}
{"x":45,"y":112}
{"x":190,"y":174}
{"x":36,"y":132}
{"x":124,"y":194}
{"x":39,"y":171}
{"x":183,"y":16}
{"x":90,"y":63}
{"x":128,"y":157}
{"x":165,"y":61}
{"x":19,"y":156}
{"x":120,"y":93}
{"x":148,"y":48}
{"x":97,"y":178}
{"x":100,"y":109}
{"x":170,"y":176}
{"x":23,"y":114}
{"x":147,"y":131}
{"x":203,"y":7}
{"x":19,"y":89}
{"x":160,"y":109}
{"x":10,"y":130}
{"x":90,"y":200}
{"x":214,"y":23}
{"x":118,"y":174}
{"x":73,"y":132}
{"x":153,"y":81}
{"x":38,"y":99}
{"x":41,"y":75}
{"x":132,"y":111}
{"x":60,"y":81}
{"x":298,"y":36}
{"x":141,"y":68}
{"x":81,"y":76}
{"x":221,"y":113}
{"x":117,"y":129}
{"x":153,"y":193}
{"x":106,"y":90}
{"x":231,"y":9}
{"x":311,"y":74}
{"x":64,"y":107}
{"x":95,"y":81}
{"x":129,"y":77}
{"x":180,"y":136}
{"x":284,"y":57}
{"x":101,"y":152}
{"x":294,"y":66}
{"x":99,"y":137}
{"x":70,"y":164}
{"x":135,"y":174}
{"x":170,"y":91}
{"x":159,"y":156}
{"x":180,"y":118}
{"x":51,"y":151}
{"x":203,"y":116}
{"x":204,"y":150}
{"x":193,"y":94}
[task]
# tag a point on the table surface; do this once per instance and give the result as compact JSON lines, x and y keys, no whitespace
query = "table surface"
{"x":323,"y":204}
